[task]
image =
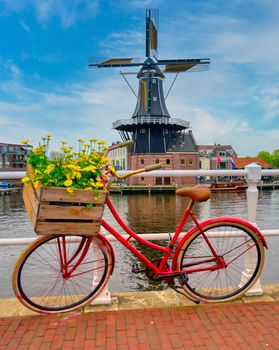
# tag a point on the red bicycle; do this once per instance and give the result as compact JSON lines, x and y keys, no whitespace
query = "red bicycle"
{"x":217,"y":260}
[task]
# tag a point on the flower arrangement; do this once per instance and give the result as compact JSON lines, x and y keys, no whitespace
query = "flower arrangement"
{"x":67,"y":168}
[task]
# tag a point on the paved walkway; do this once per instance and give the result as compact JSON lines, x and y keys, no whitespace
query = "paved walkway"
{"x":147,"y":320}
{"x":227,"y":326}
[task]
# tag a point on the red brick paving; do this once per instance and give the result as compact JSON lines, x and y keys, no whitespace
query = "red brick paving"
{"x":252,"y":326}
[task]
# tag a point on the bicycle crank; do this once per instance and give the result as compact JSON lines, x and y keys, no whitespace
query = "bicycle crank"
{"x":151,"y":275}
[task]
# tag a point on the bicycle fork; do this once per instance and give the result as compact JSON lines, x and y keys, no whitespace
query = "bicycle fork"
{"x":65,"y":268}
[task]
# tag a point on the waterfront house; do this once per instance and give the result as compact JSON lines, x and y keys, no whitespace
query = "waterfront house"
{"x":13,"y":157}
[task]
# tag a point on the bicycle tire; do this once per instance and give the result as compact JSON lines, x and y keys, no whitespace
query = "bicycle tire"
{"x":38,"y":281}
{"x":228,"y":283}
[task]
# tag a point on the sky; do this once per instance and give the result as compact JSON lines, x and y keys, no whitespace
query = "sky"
{"x":47,"y":88}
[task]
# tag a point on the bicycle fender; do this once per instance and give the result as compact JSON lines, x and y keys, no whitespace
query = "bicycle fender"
{"x":109,"y":247}
{"x":214,"y":221}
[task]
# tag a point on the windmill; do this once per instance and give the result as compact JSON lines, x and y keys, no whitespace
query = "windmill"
{"x":151,"y":126}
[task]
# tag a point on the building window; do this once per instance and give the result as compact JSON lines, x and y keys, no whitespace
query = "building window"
{"x":142,"y":161}
{"x":143,"y":131}
{"x":153,"y":81}
{"x":154,"y":98}
{"x":182,"y":161}
{"x":222,"y":154}
{"x":159,"y":181}
{"x":167,"y":161}
{"x":190,"y":162}
{"x":142,"y":178}
{"x":157,"y":161}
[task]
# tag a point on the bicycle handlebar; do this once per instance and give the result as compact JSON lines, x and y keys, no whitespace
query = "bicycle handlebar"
{"x":153,"y":167}
{"x":137,"y":171}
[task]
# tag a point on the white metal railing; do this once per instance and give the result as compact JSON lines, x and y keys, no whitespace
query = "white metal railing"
{"x":253,"y":173}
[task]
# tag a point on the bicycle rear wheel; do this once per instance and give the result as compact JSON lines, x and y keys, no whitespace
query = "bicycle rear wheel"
{"x":38,"y":279}
{"x":233,"y":242}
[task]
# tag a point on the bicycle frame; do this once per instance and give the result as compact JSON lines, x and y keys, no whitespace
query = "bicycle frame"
{"x":159,"y":270}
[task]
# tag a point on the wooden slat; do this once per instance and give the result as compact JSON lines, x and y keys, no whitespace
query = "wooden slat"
{"x":69,"y":212}
{"x":60,"y":194}
{"x":31,"y":203}
{"x":40,"y":211}
{"x":45,"y":228}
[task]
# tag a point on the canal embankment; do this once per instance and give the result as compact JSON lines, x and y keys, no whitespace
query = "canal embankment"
{"x":10,"y":307}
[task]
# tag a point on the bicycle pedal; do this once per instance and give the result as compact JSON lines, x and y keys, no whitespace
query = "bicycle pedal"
{"x":136,"y":269}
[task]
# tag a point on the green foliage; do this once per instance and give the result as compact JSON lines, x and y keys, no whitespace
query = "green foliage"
{"x":270,"y":158}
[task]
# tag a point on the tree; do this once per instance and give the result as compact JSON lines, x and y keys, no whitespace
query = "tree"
{"x":270,"y":158}
{"x":264,"y":155}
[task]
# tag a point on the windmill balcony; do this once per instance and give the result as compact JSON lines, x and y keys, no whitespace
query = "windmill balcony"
{"x":151,"y":120}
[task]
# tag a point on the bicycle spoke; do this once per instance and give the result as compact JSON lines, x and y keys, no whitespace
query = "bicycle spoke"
{"x":42,"y":283}
{"x":232,"y":244}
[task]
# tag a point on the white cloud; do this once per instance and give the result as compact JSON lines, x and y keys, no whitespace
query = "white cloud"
{"x":69,"y":12}
{"x":268,"y":100}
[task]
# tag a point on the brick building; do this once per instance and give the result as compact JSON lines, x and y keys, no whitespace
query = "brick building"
{"x":13,"y":157}
{"x":182,"y":154}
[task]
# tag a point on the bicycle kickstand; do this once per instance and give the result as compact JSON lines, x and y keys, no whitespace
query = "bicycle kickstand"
{"x":182,"y":279}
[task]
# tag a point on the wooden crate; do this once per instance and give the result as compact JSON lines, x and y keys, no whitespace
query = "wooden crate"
{"x":54,"y":210}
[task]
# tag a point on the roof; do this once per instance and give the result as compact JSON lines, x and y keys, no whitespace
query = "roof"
{"x":206,"y":150}
{"x":183,"y":142}
{"x":242,"y":162}
{"x":211,"y":147}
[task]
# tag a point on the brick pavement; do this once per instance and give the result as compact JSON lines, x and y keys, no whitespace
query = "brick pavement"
{"x":212,"y":327}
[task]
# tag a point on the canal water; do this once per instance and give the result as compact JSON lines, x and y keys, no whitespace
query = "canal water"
{"x":145,"y":213}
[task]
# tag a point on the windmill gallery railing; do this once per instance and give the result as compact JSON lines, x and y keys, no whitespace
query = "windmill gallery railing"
{"x":151,"y":120}
{"x":253,"y":173}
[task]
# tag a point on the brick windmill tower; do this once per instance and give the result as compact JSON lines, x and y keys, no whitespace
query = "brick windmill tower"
{"x":157,"y":136}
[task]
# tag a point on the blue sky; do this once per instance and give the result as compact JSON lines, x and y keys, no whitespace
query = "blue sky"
{"x":47,"y":88}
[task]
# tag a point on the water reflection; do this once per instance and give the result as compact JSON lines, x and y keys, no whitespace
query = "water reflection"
{"x":144,"y":213}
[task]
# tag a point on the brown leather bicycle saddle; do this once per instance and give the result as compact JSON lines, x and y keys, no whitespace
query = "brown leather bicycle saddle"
{"x":197,"y":193}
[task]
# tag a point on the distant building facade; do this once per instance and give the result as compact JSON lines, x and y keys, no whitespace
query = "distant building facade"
{"x":213,"y":157}
{"x":13,"y":157}
{"x":119,"y":157}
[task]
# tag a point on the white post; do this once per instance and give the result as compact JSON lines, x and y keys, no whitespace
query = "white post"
{"x":253,"y":178}
{"x":104,"y":296}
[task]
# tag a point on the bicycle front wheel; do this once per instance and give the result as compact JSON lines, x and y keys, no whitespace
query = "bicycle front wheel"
{"x":242,"y":252}
{"x":40,"y":281}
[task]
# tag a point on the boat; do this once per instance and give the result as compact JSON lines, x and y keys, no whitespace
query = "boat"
{"x":228,"y":186}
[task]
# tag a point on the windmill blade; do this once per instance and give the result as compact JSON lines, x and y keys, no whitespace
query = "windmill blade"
{"x":151,"y":34}
{"x":113,"y":62}
{"x":153,"y":37}
{"x":183,"y":65}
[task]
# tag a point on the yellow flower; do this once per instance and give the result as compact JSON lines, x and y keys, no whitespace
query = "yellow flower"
{"x":68,"y":183}
{"x":70,"y":190}
{"x":49,"y":168}
{"x":36,"y":184}
{"x":25,"y":179}
{"x":25,"y":142}
{"x":89,"y":168}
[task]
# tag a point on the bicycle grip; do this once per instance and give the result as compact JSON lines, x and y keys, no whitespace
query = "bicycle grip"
{"x":125,"y":144}
{"x":153,"y":167}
